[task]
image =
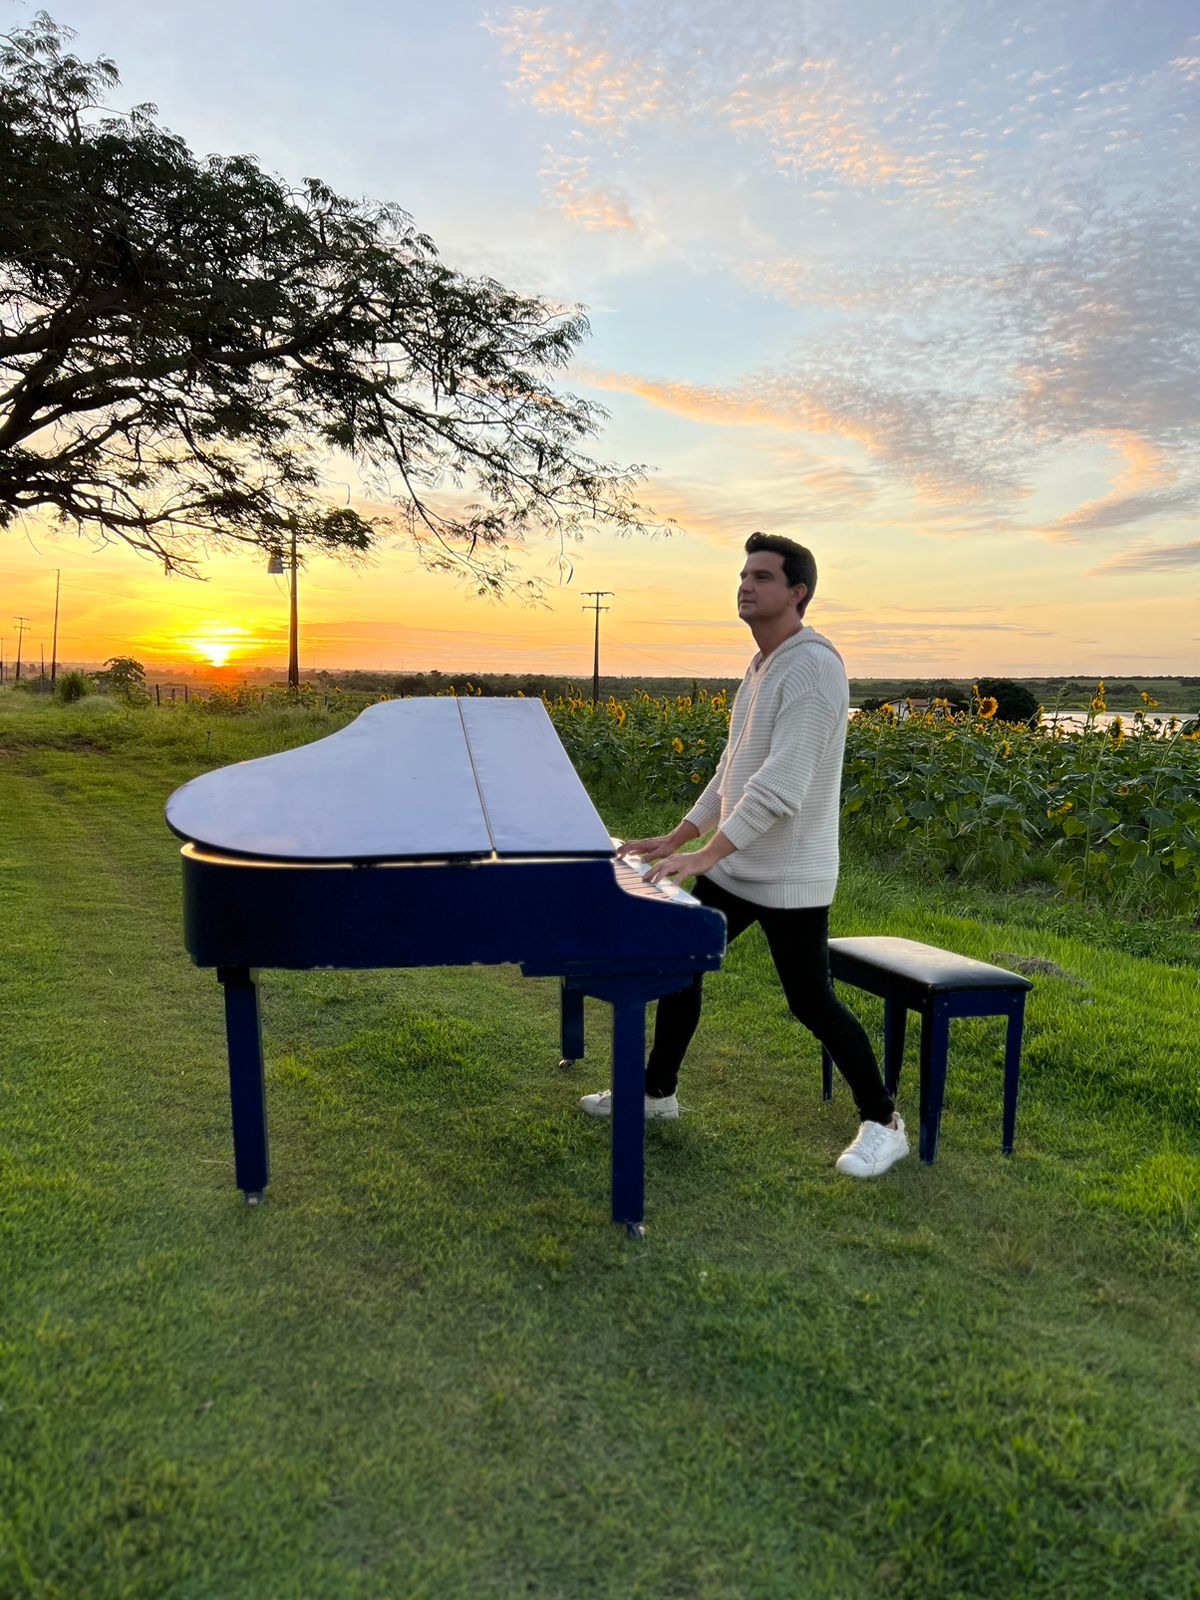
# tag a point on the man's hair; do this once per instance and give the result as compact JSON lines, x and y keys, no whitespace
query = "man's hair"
{"x":799,"y":564}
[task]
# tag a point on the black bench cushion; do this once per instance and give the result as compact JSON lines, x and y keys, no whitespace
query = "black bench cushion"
{"x":922,"y":964}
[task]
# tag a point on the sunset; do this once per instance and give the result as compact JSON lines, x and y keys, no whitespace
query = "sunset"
{"x":921,"y":291}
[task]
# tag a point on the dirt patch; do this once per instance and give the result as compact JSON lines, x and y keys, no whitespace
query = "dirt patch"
{"x":1036,"y":967}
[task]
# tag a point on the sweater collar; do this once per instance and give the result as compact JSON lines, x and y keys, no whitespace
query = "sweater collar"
{"x":806,"y":637}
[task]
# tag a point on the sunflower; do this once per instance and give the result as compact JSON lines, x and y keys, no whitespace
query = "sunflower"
{"x":677,"y":746}
{"x":988,"y":708}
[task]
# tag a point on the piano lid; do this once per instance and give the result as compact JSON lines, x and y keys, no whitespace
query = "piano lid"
{"x":408,"y":780}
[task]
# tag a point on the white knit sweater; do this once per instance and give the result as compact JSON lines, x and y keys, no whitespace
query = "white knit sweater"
{"x":776,"y":792}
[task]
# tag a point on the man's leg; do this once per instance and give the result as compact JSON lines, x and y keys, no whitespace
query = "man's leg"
{"x":799,"y":944}
{"x":676,"y":1015}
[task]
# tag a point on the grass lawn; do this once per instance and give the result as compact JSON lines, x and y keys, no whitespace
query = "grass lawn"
{"x":430,"y":1367}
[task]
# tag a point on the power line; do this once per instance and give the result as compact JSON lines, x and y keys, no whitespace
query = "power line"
{"x":596,"y":595}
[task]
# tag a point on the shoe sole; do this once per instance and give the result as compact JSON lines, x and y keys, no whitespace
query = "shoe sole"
{"x":651,"y":1116}
{"x":873,"y":1172}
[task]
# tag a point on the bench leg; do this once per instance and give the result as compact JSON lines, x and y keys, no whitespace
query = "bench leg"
{"x":247,"y":1091}
{"x":571,"y":1034}
{"x":895,"y":1020}
{"x":628,"y":1113}
{"x":1012,"y":1068}
{"x":935,"y":1047}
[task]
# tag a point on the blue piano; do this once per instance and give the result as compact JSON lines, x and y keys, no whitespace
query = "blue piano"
{"x":430,"y":833}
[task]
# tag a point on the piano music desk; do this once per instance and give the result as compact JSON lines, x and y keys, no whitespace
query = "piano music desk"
{"x":437,"y":832}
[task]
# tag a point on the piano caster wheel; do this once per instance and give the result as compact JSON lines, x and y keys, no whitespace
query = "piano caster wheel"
{"x":567,"y":1063}
{"x":253,"y":1197}
{"x":635,"y":1230}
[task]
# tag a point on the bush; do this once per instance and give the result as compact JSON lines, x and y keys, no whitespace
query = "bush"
{"x":125,"y":678}
{"x":1014,"y":703}
{"x":72,"y":686}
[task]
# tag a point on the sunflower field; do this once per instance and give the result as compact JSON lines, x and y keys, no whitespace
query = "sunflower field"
{"x":1109,"y":812}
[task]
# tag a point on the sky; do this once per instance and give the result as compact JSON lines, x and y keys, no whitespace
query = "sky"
{"x":915,"y":283}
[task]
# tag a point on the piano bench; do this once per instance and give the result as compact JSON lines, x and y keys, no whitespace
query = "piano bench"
{"x":940,"y":986}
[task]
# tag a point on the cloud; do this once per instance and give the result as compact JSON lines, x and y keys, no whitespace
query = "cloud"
{"x":980,"y":271}
{"x":925,"y":443}
{"x":1115,"y":512}
{"x":580,"y":73}
{"x":1161,"y":558}
{"x":566,"y":185}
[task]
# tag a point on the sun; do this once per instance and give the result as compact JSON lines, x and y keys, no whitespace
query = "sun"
{"x":216,"y":643}
{"x":219,"y":653}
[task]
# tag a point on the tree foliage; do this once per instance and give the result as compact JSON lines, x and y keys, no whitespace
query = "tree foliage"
{"x":191,"y":349}
{"x":1014,"y":702}
{"x":124,"y":677}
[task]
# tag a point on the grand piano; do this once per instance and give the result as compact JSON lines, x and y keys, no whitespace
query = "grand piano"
{"x":436,"y":832}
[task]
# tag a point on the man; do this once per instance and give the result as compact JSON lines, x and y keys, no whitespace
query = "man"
{"x":773,"y":859}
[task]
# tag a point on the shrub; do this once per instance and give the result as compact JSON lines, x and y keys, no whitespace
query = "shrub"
{"x":1014,"y":703}
{"x":126,"y":678}
{"x":72,"y":686}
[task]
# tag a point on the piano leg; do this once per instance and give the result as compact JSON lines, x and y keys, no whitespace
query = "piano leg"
{"x":247,"y":1091}
{"x":629,"y":1114}
{"x":572,"y":1026}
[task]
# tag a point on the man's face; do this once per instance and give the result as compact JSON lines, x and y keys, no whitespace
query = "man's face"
{"x":764,"y":594}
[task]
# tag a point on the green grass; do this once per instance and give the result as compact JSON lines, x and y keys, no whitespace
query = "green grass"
{"x":429,"y":1366}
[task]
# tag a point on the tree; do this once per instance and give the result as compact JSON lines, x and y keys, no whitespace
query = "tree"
{"x":124,"y":677}
{"x":188,"y":346}
{"x":956,"y":698}
{"x":1014,"y":702}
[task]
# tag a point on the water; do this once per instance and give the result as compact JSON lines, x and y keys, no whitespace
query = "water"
{"x":1074,"y":721}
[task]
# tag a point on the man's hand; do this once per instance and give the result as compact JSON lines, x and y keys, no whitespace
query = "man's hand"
{"x":661,"y":844}
{"x":681,"y":864}
{"x":647,"y":849}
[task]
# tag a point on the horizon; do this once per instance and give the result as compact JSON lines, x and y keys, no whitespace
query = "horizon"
{"x":233,"y":673}
{"x":916,"y":287}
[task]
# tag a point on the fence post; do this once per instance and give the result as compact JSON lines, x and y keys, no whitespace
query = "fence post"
{"x":157,"y":696}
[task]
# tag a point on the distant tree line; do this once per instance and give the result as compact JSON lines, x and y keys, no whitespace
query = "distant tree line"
{"x":530,"y":684}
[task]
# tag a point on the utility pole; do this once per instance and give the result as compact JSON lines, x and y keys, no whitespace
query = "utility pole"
{"x":294,"y":627}
{"x":54,"y":646}
{"x":22,"y":623}
{"x":275,"y":566}
{"x":596,"y":595}
{"x":3,"y":642}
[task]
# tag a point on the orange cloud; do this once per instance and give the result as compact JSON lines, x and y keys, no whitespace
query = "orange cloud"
{"x":880,"y":425}
{"x":810,"y":132}
{"x":1132,"y":497}
{"x":1146,"y":466}
{"x":737,"y":407}
{"x":600,"y":208}
{"x":560,"y":73}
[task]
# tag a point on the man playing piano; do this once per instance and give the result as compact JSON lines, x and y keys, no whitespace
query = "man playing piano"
{"x":774,"y":802}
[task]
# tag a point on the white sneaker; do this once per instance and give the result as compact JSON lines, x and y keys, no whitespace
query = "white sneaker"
{"x":600,"y":1105}
{"x":876,"y":1148}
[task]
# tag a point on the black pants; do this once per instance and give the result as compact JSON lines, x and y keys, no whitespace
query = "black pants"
{"x":799,"y":945}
